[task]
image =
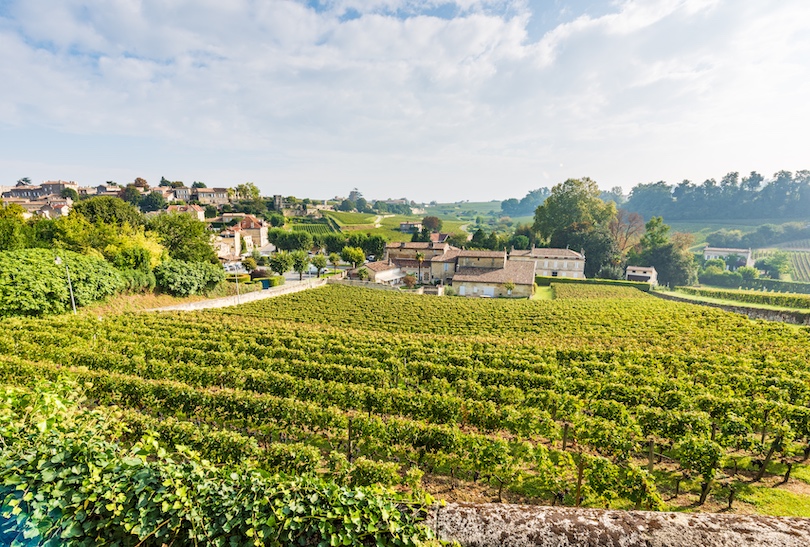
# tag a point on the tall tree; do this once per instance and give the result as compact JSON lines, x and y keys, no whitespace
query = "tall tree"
{"x":300,"y":263}
{"x":575,"y":201}
{"x":184,"y":237}
{"x":109,"y":210}
{"x":626,"y":229}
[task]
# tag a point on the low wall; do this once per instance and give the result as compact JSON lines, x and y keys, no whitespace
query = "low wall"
{"x":364,"y":284}
{"x":504,"y":525}
{"x":227,"y":301}
{"x":792,"y":317}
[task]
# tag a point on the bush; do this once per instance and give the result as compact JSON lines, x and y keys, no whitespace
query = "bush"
{"x":31,"y":283}
{"x":138,"y":281}
{"x":185,"y":278}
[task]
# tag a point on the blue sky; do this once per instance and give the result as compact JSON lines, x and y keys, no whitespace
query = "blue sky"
{"x":473,"y":99}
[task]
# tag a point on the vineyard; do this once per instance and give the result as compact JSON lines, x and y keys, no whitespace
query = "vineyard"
{"x":799,"y":261}
{"x":603,"y":397}
{"x":314,"y":229}
{"x":796,"y":301}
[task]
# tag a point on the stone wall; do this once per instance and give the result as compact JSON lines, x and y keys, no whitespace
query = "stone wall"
{"x":794,"y":318}
{"x":504,"y":525}
{"x":227,"y":301}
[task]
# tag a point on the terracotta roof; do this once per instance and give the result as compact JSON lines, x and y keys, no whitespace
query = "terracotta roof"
{"x":417,"y":245}
{"x":379,"y":266}
{"x":547,"y":253}
{"x":519,"y":273}
{"x":482,"y":254}
{"x":437,"y":237}
{"x":410,"y":263}
{"x":727,"y":250}
{"x":449,"y":256}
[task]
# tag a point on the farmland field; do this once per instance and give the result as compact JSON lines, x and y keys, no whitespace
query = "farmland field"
{"x":314,"y":229}
{"x":799,"y":260}
{"x":542,"y":401}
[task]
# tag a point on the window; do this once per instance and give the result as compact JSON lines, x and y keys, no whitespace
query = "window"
{"x":553,"y":274}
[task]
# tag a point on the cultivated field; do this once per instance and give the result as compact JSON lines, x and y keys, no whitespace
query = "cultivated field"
{"x":601,"y":397}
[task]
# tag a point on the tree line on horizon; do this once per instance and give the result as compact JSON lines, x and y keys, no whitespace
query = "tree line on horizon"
{"x":785,"y":195}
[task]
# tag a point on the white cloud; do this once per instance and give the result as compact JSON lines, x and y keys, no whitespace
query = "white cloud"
{"x":462,"y":105}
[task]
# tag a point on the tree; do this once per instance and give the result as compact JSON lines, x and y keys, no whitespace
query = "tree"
{"x":141,"y":183}
{"x":420,"y":257}
{"x":70,"y":193}
{"x":12,"y":227}
{"x":334,"y":259}
{"x":319,"y":261}
{"x":165,"y":182}
{"x":184,"y":237}
{"x":153,"y":202}
{"x":575,"y":201}
{"x":432,"y":223}
{"x":347,"y":206}
{"x":626,"y":229}
{"x":422,"y":236}
{"x":656,"y":234}
{"x":247,"y":191}
{"x":362,"y":205}
{"x":109,"y":210}
{"x":669,"y":256}
{"x":374,"y":245}
{"x":131,"y":195}
{"x":211,"y":211}
{"x":409,"y":281}
{"x":300,"y":263}
{"x":197,"y":184}
{"x":774,"y":265}
{"x":519,"y":242}
{"x":352,"y":255}
{"x":281,"y":262}
{"x":362,"y":274}
{"x":25,"y":181}
{"x":276,"y":220}
{"x":595,"y":242}
{"x":333,"y":243}
{"x":250,"y":264}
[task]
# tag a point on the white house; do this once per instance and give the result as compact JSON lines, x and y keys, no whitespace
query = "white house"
{"x":553,"y":262}
{"x":643,"y":274}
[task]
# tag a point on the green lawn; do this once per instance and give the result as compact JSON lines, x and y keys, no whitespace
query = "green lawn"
{"x":351,"y":219}
{"x":543,"y":293}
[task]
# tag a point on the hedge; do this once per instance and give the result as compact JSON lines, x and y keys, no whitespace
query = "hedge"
{"x":732,"y":280}
{"x":544,"y":281}
{"x":31,"y":283}
{"x":753,"y":297}
{"x":184,"y":278}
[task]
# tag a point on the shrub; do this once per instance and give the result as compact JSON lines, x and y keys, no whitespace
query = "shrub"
{"x":31,"y":283}
{"x":138,"y":281}
{"x":185,"y":278}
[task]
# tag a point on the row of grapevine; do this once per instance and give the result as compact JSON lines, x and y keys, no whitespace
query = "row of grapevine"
{"x":800,"y":301}
{"x":537,"y":393}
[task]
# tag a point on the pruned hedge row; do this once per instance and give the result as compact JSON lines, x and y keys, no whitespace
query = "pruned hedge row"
{"x":753,"y":297}
{"x":544,"y":281}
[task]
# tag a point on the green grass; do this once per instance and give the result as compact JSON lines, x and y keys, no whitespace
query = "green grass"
{"x":543,"y":293}
{"x":351,"y":219}
{"x":389,"y":227}
{"x":775,"y":501}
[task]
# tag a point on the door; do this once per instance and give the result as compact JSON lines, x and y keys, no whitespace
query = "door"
{"x":462,"y":290}
{"x":489,"y":291}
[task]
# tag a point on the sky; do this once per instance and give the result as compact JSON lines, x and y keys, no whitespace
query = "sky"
{"x":430,"y":100}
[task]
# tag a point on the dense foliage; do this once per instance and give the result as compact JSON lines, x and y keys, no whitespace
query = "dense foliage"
{"x":801,"y":301}
{"x":70,"y":479}
{"x":523,"y":395}
{"x":185,"y":278}
{"x":32,"y":283}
